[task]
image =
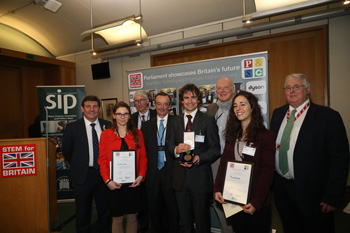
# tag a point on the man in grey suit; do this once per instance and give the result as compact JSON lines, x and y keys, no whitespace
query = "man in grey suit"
{"x":312,"y":160}
{"x":79,"y":150}
{"x":225,"y":91}
{"x":161,"y":197}
{"x":193,"y":182}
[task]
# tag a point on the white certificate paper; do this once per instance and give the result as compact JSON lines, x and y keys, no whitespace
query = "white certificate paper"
{"x":237,"y":182}
{"x":124,"y":166}
{"x":189,"y":138}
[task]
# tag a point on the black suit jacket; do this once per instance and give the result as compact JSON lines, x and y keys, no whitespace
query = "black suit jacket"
{"x":149,"y":131}
{"x":199,"y":175}
{"x":75,"y":149}
{"x":135,"y":116}
{"x":321,"y":157}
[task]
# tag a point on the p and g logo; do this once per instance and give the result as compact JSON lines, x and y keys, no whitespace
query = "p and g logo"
{"x":256,"y":87}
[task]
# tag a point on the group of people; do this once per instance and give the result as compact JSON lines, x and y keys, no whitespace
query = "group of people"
{"x":303,"y":160}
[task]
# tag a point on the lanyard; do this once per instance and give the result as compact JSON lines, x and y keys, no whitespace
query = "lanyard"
{"x":299,"y":114}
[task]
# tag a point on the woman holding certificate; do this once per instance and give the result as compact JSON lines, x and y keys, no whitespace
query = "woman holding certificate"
{"x":247,"y":142}
{"x":122,"y":170}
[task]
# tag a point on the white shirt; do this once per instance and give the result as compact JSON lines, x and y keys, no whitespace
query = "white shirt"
{"x":89,"y":137}
{"x":293,"y":139}
{"x":147,"y":117}
{"x":165,"y":128}
{"x":193,"y":114}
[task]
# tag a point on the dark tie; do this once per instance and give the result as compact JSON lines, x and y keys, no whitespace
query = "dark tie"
{"x":284,"y":145}
{"x":95,"y":145}
{"x":161,"y":143}
{"x":189,"y":123}
{"x":142,"y":120}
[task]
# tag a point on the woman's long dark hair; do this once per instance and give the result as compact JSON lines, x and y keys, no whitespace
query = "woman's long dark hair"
{"x":256,"y":126}
{"x":130,"y":126}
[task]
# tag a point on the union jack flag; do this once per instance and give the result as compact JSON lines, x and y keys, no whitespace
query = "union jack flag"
{"x":18,"y":160}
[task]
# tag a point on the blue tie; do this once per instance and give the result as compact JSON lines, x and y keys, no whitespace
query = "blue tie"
{"x":95,"y":145}
{"x":161,"y":143}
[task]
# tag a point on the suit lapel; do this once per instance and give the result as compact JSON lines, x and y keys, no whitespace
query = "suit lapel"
{"x":197,"y":120}
{"x":307,"y":123}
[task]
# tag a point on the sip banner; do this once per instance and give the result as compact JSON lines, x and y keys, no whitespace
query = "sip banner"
{"x":63,"y":106}
{"x":249,"y":72}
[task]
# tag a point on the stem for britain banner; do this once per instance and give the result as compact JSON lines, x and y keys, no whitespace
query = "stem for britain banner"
{"x":63,"y":106}
{"x":249,"y":72}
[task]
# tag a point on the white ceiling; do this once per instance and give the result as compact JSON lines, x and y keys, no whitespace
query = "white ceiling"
{"x":60,"y":32}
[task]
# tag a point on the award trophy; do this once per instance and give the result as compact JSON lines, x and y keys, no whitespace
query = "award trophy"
{"x":187,"y":157}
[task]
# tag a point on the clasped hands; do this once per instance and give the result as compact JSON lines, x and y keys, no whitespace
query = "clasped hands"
{"x":112,"y":185}
{"x":183,"y":147}
{"x":248,"y":208}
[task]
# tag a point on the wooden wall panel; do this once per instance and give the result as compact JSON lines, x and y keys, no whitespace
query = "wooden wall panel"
{"x":301,"y":51}
{"x":11,"y":98}
{"x":19,"y":77}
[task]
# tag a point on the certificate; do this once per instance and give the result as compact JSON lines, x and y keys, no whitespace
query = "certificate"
{"x":123,"y":166}
{"x":238,"y":182}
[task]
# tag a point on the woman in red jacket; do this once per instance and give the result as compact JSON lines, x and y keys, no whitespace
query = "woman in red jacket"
{"x":124,"y":199}
{"x":245,"y":128}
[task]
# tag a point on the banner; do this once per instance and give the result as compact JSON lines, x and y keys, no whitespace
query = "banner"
{"x":63,"y":106}
{"x":249,"y":72}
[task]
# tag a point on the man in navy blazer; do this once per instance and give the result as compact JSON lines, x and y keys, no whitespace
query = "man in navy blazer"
{"x":77,"y":148}
{"x":161,"y":197}
{"x":193,"y":182}
{"x":313,"y":184}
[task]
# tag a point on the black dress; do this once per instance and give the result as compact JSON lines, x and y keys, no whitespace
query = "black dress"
{"x":125,"y":200}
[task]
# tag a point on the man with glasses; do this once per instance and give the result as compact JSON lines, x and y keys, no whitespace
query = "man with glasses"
{"x":193,"y":180}
{"x":142,"y":115}
{"x":161,"y":197}
{"x":143,"y":112}
{"x":312,"y":160}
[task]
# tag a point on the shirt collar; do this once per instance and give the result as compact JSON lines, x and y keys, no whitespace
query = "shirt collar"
{"x":300,"y":107}
{"x":87,"y":122}
{"x":165,"y":119}
{"x":193,"y":114}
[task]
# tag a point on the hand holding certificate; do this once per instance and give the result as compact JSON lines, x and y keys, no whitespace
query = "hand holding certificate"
{"x":124,"y":167}
{"x":238,"y":182}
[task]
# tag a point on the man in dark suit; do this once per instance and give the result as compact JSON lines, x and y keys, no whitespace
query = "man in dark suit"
{"x":143,"y":113}
{"x":79,"y":150}
{"x":161,"y":197}
{"x":312,"y":160}
{"x":193,"y":182}
{"x":225,"y":90}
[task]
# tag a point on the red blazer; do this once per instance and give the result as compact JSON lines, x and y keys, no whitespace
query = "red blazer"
{"x":263,"y":172}
{"x":110,"y":141}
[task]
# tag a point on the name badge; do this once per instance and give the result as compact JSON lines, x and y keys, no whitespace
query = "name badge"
{"x":248,"y":150}
{"x":200,"y":138}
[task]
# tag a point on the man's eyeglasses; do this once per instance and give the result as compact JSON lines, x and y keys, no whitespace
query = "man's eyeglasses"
{"x":139,"y":101}
{"x":294,"y":88}
{"x":120,"y":115}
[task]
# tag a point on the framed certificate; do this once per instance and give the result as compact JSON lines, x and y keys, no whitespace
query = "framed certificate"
{"x":123,"y":170}
{"x":237,"y":184}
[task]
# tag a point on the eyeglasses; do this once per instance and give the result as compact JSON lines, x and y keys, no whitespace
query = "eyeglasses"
{"x":294,"y":88}
{"x":139,"y":101}
{"x":120,"y":115}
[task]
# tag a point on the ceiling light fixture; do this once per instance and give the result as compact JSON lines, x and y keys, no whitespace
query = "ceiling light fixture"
{"x":277,"y":7}
{"x":122,"y":33}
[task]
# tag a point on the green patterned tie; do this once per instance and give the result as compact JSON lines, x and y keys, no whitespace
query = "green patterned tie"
{"x":284,"y":146}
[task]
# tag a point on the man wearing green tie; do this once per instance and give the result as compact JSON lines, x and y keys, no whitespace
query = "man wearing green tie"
{"x":312,"y":160}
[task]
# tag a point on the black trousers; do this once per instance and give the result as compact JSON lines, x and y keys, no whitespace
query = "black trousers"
{"x":84,"y":194}
{"x":293,"y":220}
{"x":163,"y":210}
